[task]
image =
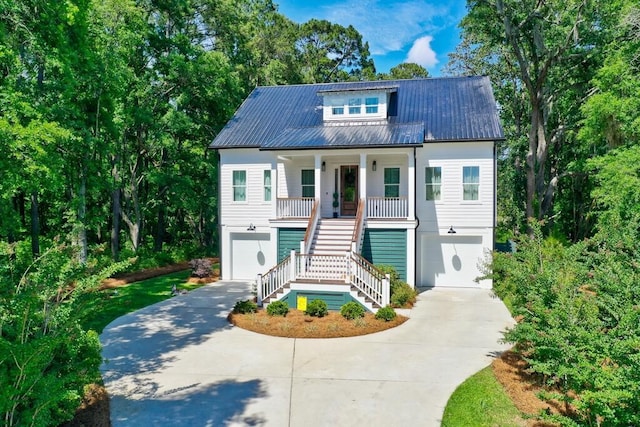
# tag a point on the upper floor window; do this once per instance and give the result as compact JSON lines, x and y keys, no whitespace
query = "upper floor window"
{"x":433,"y":182}
{"x":371,"y":105}
{"x":337,"y":108}
{"x":355,"y":106}
{"x":470,"y":182}
{"x":267,"y":185}
{"x":391,"y":182}
{"x":308,"y":183}
{"x":239,"y":186}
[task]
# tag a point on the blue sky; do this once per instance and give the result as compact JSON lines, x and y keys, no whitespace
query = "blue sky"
{"x":421,"y":31}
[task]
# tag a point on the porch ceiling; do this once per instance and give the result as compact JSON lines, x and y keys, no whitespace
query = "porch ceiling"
{"x":348,"y":136}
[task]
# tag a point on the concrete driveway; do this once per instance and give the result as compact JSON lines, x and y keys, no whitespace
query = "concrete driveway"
{"x":179,"y":363}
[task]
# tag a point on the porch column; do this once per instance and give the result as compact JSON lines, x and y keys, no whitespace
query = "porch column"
{"x":362,"y":186}
{"x":318,"y":176}
{"x":411,"y":196}
{"x":274,"y":189}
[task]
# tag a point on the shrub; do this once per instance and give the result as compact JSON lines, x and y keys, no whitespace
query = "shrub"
{"x":278,"y":308}
{"x":317,"y":308}
{"x":386,"y":313}
{"x":201,"y":267}
{"x":402,"y":294}
{"x":245,"y":307}
{"x":352,"y":310}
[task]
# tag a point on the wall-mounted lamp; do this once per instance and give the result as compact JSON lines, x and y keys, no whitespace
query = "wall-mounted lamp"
{"x":451,"y":230}
{"x":324,"y":166}
{"x":374,"y":166}
{"x":251,"y":227}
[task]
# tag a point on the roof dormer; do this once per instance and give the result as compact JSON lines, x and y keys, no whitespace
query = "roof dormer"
{"x":356,"y":105}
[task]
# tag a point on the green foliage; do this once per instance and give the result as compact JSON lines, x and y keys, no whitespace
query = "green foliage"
{"x":579,"y":318}
{"x":278,"y":308}
{"x":245,"y":307}
{"x":481,"y":401}
{"x":402,"y":294}
{"x":46,"y":357}
{"x":317,"y":308}
{"x":352,"y":310}
{"x":386,"y":313}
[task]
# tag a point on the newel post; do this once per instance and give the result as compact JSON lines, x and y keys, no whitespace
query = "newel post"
{"x":259,"y":289}
{"x":386,"y":288}
{"x":293,"y":264}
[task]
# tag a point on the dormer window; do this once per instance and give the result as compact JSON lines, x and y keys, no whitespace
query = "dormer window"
{"x":371,"y":105}
{"x":356,"y":105}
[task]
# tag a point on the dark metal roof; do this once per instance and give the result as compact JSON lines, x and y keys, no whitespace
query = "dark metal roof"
{"x":290,"y":117}
{"x":348,"y":136}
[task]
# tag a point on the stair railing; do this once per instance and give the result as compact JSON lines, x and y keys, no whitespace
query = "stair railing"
{"x":275,"y":279}
{"x":356,"y":238}
{"x":369,"y":280}
{"x":312,"y":224}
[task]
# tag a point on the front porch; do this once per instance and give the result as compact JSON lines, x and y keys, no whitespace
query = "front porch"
{"x":376,"y":208}
{"x":339,"y":179}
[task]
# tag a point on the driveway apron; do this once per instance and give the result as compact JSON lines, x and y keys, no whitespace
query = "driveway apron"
{"x":180,"y":363}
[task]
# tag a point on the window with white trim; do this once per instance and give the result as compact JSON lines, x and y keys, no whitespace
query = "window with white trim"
{"x":355,"y":106}
{"x":267,"y":185}
{"x":391,"y":182}
{"x":337,"y":108}
{"x":308,"y":183}
{"x":470,"y":182}
{"x":239,"y":185}
{"x":433,"y":182}
{"x":371,"y":105}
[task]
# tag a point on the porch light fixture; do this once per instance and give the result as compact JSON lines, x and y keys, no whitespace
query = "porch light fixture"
{"x":324,"y":166}
{"x":451,"y":230}
{"x":251,"y":227}
{"x":374,"y":166}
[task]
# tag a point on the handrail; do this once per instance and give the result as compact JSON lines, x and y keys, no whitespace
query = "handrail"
{"x":369,"y":280}
{"x":358,"y":227}
{"x":273,"y":280}
{"x":311,"y":226}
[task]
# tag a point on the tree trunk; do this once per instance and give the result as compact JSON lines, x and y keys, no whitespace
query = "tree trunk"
{"x":160,"y":227}
{"x":35,"y":225}
{"x":82,"y":217}
{"x":116,"y":210}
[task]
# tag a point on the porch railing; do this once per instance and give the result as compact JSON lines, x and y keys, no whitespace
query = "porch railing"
{"x":387,"y":207}
{"x":296,"y":207}
{"x":350,"y":268}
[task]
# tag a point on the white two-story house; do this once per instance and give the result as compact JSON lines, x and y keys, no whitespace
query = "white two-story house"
{"x":319,"y":182}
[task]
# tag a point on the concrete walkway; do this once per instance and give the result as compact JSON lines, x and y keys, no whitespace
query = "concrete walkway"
{"x":179,"y":363}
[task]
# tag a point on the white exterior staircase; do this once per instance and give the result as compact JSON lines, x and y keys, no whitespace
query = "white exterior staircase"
{"x":331,"y":264}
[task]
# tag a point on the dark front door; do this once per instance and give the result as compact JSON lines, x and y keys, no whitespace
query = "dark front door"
{"x":349,"y":190}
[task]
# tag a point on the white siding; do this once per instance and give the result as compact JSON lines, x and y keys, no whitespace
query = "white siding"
{"x":444,"y":259}
{"x":254,"y":210}
{"x":451,"y":210}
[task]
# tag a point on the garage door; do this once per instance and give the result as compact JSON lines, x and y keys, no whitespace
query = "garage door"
{"x":450,"y":260}
{"x":249,"y":255}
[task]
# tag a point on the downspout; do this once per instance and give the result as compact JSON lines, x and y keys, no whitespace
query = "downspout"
{"x":415,"y":215}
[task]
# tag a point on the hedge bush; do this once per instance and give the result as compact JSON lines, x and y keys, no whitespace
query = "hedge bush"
{"x":245,"y":307}
{"x":386,"y":313}
{"x":278,"y":308}
{"x":352,"y":310}
{"x":317,"y":308}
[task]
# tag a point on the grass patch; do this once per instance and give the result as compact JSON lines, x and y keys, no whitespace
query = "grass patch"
{"x":102,"y":307}
{"x":481,"y":401}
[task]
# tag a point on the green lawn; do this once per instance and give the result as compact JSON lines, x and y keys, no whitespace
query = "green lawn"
{"x":481,"y":401}
{"x":102,"y":307}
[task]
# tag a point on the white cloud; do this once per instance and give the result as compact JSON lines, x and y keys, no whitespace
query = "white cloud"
{"x":390,"y":26}
{"x":421,"y":52}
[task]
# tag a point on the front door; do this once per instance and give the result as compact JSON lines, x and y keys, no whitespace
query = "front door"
{"x":349,"y":190}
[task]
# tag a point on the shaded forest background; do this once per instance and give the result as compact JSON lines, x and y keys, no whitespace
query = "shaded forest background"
{"x":107,"y":109}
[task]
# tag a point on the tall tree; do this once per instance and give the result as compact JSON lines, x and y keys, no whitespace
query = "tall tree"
{"x":550,"y":48}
